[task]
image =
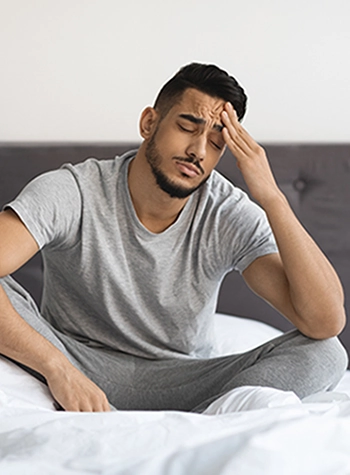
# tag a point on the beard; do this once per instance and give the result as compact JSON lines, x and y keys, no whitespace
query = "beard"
{"x":174,"y":190}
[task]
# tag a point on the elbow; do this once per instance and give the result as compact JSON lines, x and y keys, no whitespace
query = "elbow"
{"x":326,"y":326}
{"x":341,"y":324}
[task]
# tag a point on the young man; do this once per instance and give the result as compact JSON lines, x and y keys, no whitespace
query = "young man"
{"x":135,"y":250}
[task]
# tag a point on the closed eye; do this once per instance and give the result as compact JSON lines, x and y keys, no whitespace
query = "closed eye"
{"x":184,"y":128}
{"x":216,"y":146}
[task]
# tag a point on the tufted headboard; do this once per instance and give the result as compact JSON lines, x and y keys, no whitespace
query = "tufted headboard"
{"x":315,"y":178}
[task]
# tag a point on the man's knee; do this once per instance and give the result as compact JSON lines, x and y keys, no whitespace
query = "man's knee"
{"x":327,"y":360}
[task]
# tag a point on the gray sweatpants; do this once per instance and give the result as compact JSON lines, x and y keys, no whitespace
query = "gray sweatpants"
{"x":291,"y":362}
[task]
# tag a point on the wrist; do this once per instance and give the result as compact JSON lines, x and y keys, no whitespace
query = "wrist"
{"x":273,"y":200}
{"x":54,"y":364}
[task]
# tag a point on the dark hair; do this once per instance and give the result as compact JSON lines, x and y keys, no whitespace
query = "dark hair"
{"x":206,"y":78}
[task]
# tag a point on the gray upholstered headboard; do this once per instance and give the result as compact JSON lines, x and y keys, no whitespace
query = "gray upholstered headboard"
{"x":315,"y":179}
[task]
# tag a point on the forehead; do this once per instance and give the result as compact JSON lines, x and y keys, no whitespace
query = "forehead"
{"x":200,"y":105}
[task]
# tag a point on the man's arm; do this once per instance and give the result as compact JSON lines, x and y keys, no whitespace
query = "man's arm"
{"x":19,"y":341}
{"x":299,"y":281}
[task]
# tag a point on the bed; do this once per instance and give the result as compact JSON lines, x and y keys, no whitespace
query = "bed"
{"x":250,"y":430}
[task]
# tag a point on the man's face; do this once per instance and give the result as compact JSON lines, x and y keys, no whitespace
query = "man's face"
{"x":187,"y":144}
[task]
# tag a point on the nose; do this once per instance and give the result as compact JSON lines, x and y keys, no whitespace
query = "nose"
{"x":197,"y":148}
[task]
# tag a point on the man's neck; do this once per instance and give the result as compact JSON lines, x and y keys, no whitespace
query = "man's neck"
{"x":155,"y":209}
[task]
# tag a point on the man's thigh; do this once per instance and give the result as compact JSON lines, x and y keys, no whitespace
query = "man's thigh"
{"x":136,"y":383}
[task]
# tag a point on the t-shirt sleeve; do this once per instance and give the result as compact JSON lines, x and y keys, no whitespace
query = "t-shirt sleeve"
{"x":247,"y":235}
{"x":50,"y":208}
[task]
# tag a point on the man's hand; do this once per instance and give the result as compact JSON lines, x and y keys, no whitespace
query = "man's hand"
{"x":251,"y":157}
{"x":74,"y":391}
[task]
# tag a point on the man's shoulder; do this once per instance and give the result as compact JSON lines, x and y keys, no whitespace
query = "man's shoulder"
{"x":93,"y":167}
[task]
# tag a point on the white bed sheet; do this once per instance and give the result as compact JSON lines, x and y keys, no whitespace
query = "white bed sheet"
{"x":249,"y":431}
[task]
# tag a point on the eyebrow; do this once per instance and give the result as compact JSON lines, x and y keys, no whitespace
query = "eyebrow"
{"x":200,"y":121}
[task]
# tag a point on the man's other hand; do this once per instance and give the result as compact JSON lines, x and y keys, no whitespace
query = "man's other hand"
{"x":73,"y":391}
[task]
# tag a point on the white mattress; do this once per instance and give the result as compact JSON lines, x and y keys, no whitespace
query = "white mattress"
{"x":251,"y":430}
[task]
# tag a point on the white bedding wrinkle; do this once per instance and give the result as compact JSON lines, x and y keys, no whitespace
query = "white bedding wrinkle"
{"x":120,"y":443}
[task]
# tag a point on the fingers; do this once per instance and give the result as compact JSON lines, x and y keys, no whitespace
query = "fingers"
{"x":85,"y":403}
{"x":96,"y":401}
{"x":236,"y":137}
{"x":250,"y":157}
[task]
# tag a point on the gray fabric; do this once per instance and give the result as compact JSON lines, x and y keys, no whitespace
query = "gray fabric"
{"x":291,"y":362}
{"x":110,"y":283}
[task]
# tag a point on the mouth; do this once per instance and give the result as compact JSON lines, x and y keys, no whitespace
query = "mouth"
{"x":188,"y":169}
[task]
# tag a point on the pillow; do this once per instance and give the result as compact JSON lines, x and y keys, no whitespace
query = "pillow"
{"x":238,"y":334}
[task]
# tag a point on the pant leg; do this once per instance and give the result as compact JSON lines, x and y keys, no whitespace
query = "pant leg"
{"x":291,"y":362}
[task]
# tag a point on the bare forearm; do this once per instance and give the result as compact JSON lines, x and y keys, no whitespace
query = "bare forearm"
{"x":19,"y":341}
{"x":314,"y":287}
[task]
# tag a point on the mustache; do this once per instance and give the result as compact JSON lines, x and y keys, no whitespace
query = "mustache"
{"x":194,"y":162}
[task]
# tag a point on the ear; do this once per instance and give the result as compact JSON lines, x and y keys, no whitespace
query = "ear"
{"x":148,"y":122}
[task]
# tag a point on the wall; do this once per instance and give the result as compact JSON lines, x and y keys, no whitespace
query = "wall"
{"x":82,"y":70}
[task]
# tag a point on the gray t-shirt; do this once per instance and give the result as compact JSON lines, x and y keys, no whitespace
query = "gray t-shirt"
{"x":110,"y":282}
